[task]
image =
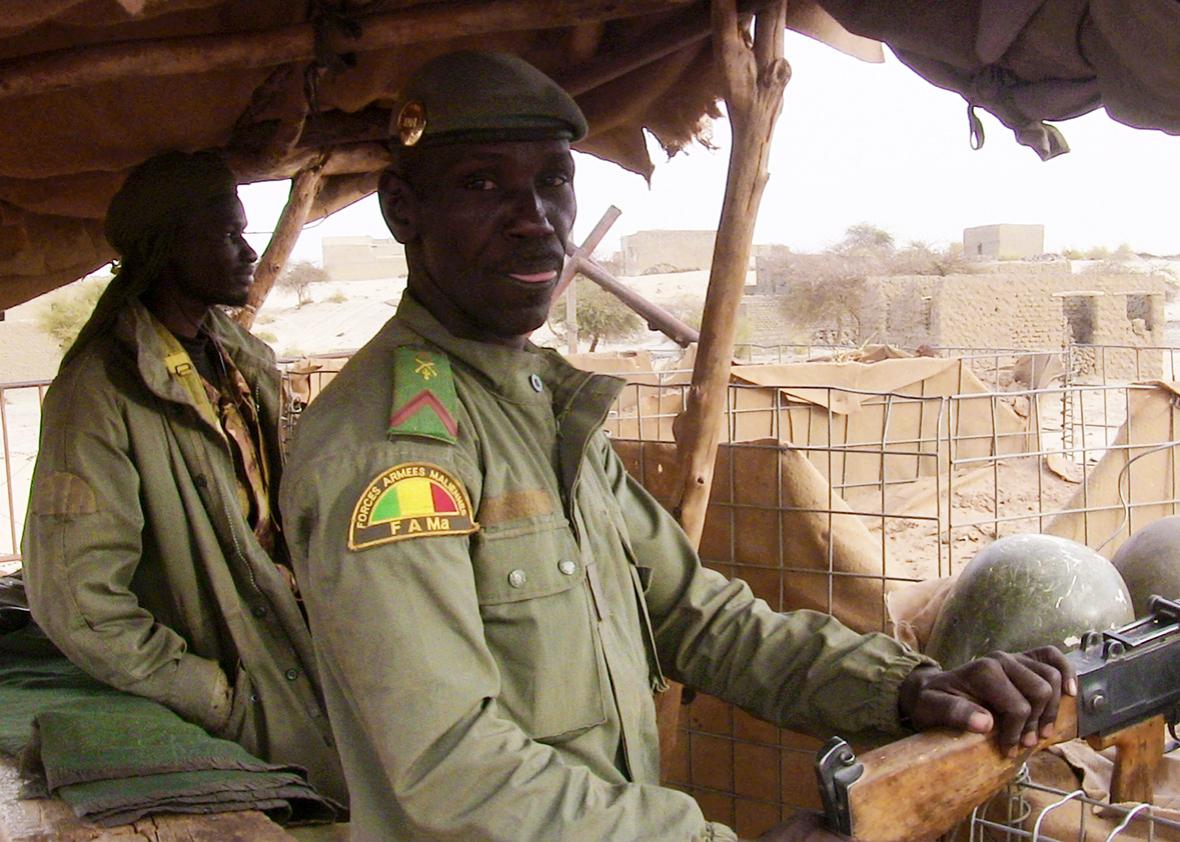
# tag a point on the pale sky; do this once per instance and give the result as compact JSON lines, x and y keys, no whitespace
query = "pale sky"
{"x":874,"y":143}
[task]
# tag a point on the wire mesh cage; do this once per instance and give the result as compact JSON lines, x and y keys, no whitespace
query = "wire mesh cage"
{"x":837,"y":498}
{"x":837,"y":494}
{"x":1041,"y":812}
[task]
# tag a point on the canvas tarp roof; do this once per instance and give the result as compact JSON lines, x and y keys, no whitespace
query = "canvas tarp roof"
{"x":90,"y":88}
{"x":1028,"y":61}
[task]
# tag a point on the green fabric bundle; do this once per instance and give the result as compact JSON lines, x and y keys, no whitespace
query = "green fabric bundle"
{"x":114,"y":757}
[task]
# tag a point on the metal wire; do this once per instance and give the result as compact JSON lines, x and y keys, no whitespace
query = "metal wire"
{"x":1119,"y":485}
{"x":1015,"y":824}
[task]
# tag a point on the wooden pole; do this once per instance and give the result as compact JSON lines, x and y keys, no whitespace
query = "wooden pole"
{"x":571,"y":318}
{"x":753,"y":78}
{"x":657,"y":317}
{"x":304,"y":187}
{"x":422,"y":23}
{"x":565,"y":282}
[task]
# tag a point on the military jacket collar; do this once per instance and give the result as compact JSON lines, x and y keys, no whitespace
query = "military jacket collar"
{"x":515,"y":374}
{"x":135,"y":328}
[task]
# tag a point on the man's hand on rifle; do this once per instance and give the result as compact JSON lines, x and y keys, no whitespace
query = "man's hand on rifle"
{"x":1016,"y":694}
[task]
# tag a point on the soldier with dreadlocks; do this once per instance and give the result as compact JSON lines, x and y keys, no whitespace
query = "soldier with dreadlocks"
{"x":153,"y":552}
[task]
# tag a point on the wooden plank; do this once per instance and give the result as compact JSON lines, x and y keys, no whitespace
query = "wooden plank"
{"x":52,"y":820}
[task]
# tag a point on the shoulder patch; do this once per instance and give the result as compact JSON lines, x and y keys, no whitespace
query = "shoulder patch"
{"x":63,"y":494}
{"x":411,"y":500}
{"x":424,"y":399}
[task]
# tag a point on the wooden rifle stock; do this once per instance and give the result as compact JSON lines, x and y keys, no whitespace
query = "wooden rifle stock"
{"x":920,"y":787}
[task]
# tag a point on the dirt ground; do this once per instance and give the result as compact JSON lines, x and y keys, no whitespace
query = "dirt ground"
{"x":924,"y":538}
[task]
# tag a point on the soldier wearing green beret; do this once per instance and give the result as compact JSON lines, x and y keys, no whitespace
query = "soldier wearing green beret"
{"x":152,"y":551}
{"x":492,"y":598}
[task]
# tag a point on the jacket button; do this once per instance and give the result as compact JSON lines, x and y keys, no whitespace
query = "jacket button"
{"x":567,"y":567}
{"x":535,"y":382}
{"x":259,"y":611}
{"x":292,"y":674}
{"x":254,"y":697}
{"x":517,"y":578}
{"x":199,"y":481}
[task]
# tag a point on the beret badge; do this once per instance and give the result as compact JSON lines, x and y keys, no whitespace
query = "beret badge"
{"x":411,"y":122}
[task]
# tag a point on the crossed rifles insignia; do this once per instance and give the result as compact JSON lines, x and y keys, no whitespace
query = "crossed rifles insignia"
{"x":425,"y":368}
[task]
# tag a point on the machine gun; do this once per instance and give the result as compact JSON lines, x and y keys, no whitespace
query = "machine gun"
{"x":920,"y":787}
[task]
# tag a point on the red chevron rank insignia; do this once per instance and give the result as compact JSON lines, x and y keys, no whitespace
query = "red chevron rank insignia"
{"x":424,"y":399}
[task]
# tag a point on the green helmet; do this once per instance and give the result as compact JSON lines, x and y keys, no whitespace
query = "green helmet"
{"x":1026,"y":591}
{"x":1149,"y":562}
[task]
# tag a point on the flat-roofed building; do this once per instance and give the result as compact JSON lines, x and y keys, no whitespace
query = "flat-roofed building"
{"x":1004,"y":242}
{"x":363,"y":258}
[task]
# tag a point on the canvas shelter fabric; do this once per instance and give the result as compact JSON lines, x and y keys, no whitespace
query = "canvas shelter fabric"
{"x":1140,"y":465}
{"x":781,"y":493}
{"x":1031,"y":61}
{"x":1073,"y":765}
{"x":821,"y":405}
{"x":65,"y":152}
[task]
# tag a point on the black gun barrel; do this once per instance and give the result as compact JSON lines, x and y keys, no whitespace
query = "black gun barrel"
{"x":1130,"y":673}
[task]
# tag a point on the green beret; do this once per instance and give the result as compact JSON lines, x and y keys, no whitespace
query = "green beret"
{"x":474,"y":96}
{"x":160,"y":191}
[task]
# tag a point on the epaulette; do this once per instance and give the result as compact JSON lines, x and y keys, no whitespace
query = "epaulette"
{"x":424,"y":399}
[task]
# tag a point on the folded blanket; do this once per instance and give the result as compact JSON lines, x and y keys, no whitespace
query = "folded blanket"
{"x":115,"y":757}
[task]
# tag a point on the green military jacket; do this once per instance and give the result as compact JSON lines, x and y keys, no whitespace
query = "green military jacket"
{"x":497,"y":684}
{"x":140,"y":564}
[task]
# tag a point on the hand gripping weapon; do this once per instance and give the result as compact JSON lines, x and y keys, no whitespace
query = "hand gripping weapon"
{"x":921,"y":786}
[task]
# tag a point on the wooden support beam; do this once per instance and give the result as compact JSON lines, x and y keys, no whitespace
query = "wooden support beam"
{"x":304,"y":187}
{"x":586,"y":250}
{"x":565,"y":282}
{"x":346,"y":159}
{"x":690,"y":27}
{"x":754,"y":78}
{"x":78,"y":67}
{"x":657,"y":317}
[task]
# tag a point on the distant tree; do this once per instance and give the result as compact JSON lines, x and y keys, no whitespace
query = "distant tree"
{"x":1097,"y":253}
{"x":65,"y":314}
{"x":600,"y":314}
{"x":688,"y":309}
{"x":612,"y":264}
{"x":864,"y":239}
{"x":691,"y":311}
{"x":919,"y":258}
{"x":827,"y":292}
{"x":299,"y":277}
{"x":1124,"y":253}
